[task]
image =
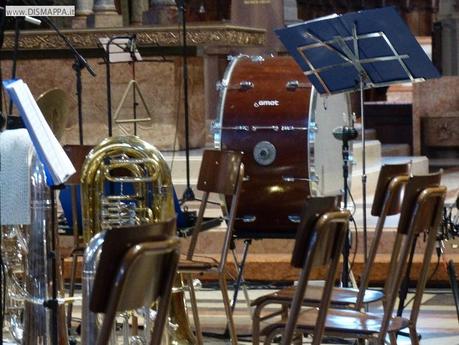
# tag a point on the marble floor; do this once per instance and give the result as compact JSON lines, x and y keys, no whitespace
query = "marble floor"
{"x":438,"y":322}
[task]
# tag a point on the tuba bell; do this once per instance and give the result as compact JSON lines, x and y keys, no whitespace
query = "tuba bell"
{"x":26,"y":254}
{"x":124,"y":181}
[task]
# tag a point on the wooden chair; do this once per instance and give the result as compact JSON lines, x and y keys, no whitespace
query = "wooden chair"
{"x":387,"y":201}
{"x":319,"y":241}
{"x":137,"y":266}
{"x":421,"y":213}
{"x":221,"y":172}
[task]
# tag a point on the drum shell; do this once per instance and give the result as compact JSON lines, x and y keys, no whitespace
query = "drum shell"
{"x":267,"y":111}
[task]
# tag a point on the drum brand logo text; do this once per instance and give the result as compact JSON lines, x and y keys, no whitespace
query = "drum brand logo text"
{"x":266,"y":103}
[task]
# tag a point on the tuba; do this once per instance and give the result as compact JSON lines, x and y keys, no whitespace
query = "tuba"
{"x":26,"y":254}
{"x":124,"y":181}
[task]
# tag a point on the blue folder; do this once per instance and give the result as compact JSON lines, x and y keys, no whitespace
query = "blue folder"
{"x":387,"y":51}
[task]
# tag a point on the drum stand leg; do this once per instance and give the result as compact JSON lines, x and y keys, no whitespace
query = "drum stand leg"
{"x":240,"y":278}
{"x":240,"y":282}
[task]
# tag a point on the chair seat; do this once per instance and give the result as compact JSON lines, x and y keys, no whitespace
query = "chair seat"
{"x":313,"y":295}
{"x":343,"y":321}
{"x":197,"y":264}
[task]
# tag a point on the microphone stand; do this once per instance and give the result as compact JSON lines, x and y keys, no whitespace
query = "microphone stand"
{"x":188,"y":195}
{"x":346,"y":134}
{"x":78,"y":65}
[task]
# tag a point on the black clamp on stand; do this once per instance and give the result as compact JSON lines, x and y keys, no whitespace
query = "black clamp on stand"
{"x":346,"y":134}
{"x":357,"y":51}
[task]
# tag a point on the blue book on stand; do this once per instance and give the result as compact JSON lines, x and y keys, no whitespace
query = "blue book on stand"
{"x":57,"y":164}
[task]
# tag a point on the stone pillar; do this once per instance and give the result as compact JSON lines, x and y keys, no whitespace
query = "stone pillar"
{"x":106,"y":15}
{"x":448,"y":16}
{"x":83,"y":9}
{"x":138,"y":7}
{"x":161,"y":12}
{"x":290,"y":12}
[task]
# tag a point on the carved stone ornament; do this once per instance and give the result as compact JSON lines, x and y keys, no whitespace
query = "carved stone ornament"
{"x":222,"y":35}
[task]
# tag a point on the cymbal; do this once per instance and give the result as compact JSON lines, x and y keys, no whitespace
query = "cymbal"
{"x":54,"y":104}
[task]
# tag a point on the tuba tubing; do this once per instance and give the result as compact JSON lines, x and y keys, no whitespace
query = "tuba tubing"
{"x":124,"y":161}
{"x":33,"y":243}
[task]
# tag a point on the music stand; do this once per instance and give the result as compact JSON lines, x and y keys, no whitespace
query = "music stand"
{"x":356,"y":51}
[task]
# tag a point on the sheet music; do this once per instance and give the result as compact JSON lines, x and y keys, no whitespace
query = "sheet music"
{"x":121,"y":50}
{"x":48,"y":148}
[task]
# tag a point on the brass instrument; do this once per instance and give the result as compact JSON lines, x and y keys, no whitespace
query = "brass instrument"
{"x":25,"y":250}
{"x":124,"y":181}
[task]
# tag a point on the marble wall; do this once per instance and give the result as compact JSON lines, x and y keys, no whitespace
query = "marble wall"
{"x":160,"y":82}
{"x":433,"y":98}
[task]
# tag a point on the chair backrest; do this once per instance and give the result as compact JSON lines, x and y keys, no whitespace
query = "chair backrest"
{"x":414,"y":188}
{"x":221,"y":172}
{"x":421,"y":211}
{"x":313,"y":209}
{"x":117,"y":242}
{"x":77,"y":155}
{"x":137,"y":265}
{"x":387,"y":173}
{"x":324,"y":235}
{"x":387,"y":201}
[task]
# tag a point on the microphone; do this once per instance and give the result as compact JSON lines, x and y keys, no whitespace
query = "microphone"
{"x":347,"y":132}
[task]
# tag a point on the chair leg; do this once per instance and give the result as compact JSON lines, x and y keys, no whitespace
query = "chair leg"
{"x":413,"y":335}
{"x":269,"y":337}
{"x":256,"y":325}
{"x":226,"y":303}
{"x":393,"y":338}
{"x":194,"y":309}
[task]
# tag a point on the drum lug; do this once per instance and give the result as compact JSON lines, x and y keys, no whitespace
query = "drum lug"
{"x":313,"y":177}
{"x":313,"y":127}
{"x":294,"y":218}
{"x":246,"y":85}
{"x":293,"y":128}
{"x":246,"y":178}
{"x":292,"y":85}
{"x":257,"y":58}
{"x":220,"y":86}
{"x":248,"y":218}
{"x":293,"y":179}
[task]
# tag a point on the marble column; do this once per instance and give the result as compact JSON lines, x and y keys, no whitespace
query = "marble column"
{"x":161,"y":12}
{"x":448,"y":16}
{"x":106,"y":15}
{"x":138,"y":7}
{"x":83,"y":9}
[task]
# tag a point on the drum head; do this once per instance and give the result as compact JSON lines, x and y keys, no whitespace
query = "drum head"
{"x":326,"y":113}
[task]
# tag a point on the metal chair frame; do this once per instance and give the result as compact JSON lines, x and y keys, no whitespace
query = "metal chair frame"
{"x":138,"y":257}
{"x":391,"y":181}
{"x":418,"y":216}
{"x":222,"y":173}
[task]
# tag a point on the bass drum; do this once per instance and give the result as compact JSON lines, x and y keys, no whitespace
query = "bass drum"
{"x":268,"y":110}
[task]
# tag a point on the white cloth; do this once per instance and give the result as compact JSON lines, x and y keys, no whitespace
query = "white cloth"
{"x":16,"y":151}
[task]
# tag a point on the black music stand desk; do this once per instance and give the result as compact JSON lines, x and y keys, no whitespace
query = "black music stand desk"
{"x":357,"y":51}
